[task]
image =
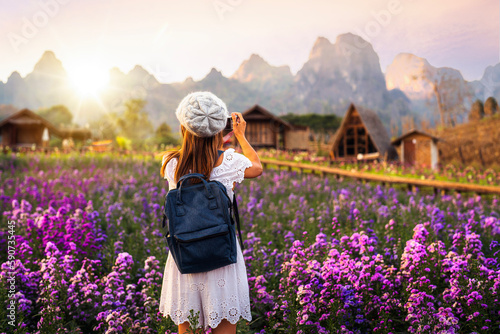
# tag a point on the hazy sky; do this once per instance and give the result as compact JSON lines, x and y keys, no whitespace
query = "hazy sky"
{"x":177,"y":39}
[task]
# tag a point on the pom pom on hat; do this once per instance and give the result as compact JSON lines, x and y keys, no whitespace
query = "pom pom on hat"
{"x":202,"y":113}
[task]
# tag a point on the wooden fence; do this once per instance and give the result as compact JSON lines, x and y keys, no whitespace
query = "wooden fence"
{"x":442,"y":186}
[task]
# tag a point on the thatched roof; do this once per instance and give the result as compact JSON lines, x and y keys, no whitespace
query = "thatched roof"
{"x":265,"y":114}
{"x":27,"y":117}
{"x":374,"y":127}
{"x":398,"y":140}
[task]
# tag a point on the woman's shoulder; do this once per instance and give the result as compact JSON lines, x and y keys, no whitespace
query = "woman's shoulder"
{"x":170,"y":166}
{"x":230,"y":154}
{"x":165,"y":157}
{"x":236,"y":159}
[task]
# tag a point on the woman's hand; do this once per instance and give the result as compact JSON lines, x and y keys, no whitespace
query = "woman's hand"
{"x":239,"y":125}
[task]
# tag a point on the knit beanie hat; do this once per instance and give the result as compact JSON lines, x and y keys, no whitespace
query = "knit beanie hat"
{"x":202,"y":113}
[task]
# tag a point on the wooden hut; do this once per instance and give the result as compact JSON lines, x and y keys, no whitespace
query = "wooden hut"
{"x":361,"y":136}
{"x":264,"y":129}
{"x":79,"y":134}
{"x":26,"y":129}
{"x":417,"y":148}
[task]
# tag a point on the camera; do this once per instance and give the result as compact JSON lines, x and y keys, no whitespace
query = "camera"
{"x":229,"y":124}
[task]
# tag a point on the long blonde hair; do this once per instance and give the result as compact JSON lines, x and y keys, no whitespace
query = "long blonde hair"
{"x":196,"y":153}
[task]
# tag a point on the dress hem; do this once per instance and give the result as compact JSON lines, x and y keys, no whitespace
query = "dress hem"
{"x":212,"y":326}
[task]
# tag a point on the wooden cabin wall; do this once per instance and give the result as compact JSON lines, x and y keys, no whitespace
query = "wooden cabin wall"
{"x":13,"y":135}
{"x":422,"y":150}
{"x":259,"y":133}
{"x":297,"y":139}
{"x":6,"y":133}
{"x":28,"y":134}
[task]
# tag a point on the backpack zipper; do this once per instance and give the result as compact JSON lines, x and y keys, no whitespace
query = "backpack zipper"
{"x":202,"y":238}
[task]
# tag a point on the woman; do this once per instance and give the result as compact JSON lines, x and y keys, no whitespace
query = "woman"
{"x":221,"y":296}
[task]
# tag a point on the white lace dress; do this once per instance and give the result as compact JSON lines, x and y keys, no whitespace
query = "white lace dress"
{"x":218,"y":294}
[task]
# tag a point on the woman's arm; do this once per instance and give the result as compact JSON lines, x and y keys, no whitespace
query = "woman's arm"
{"x":248,"y":151}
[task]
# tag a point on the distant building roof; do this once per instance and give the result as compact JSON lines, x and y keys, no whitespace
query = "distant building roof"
{"x":267,"y":114}
{"x":26,"y":116}
{"x":398,"y":140}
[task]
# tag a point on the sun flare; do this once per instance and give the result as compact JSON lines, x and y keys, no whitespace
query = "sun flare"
{"x":88,"y":79}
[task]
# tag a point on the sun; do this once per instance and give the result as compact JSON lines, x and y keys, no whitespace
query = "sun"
{"x":88,"y":79}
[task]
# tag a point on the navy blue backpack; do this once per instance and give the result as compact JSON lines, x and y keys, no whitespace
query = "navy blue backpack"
{"x":201,"y":232}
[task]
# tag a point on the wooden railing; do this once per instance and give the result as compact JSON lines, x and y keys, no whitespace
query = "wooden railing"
{"x":443,"y":186}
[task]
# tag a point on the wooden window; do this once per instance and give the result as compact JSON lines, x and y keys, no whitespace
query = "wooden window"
{"x":362,"y":145}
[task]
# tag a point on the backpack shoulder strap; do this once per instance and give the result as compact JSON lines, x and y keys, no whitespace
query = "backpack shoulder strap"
{"x":164,"y":219}
{"x":236,"y":214}
{"x":237,"y":217}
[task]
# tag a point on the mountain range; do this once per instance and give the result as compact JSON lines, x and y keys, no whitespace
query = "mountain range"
{"x":334,"y":75}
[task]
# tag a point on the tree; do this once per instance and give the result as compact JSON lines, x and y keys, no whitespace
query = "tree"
{"x":425,"y":124}
{"x":104,"y":128}
{"x":134,"y":123}
{"x":58,"y":115}
{"x":316,"y":122}
{"x":449,"y":90}
{"x":163,"y":135}
{"x":477,"y":111}
{"x":407,"y":123}
{"x":394,"y":128}
{"x":490,"y":106}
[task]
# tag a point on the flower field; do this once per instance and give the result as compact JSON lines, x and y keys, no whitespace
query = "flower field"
{"x":323,"y":255}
